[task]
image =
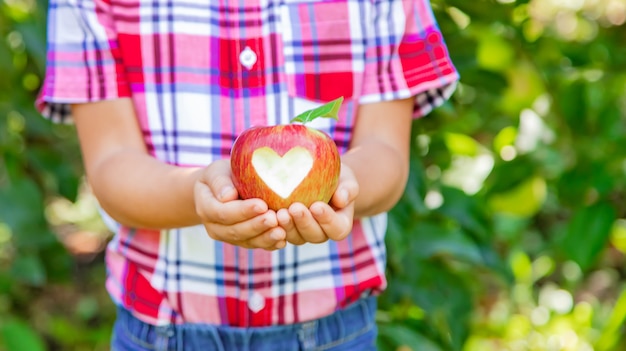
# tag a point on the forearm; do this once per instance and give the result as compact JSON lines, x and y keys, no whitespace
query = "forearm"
{"x":140,"y":191}
{"x":382,"y":174}
{"x":132,"y":186}
{"x":379,"y":155}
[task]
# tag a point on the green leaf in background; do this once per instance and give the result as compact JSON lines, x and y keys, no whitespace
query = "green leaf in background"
{"x":495,"y":52}
{"x":433,"y":240}
{"x":399,"y":335}
{"x":18,"y":202}
{"x":525,"y":86}
{"x":19,"y":336}
{"x":328,"y":110}
{"x":447,"y":300}
{"x":572,"y":102}
{"x":29,"y":269}
{"x":475,"y":223}
{"x":525,"y":200}
{"x":460,"y":144}
{"x":611,"y":124}
{"x":33,"y":36}
{"x":506,"y":176}
{"x":468,"y":211}
{"x":574,"y":184}
{"x":506,"y":137}
{"x":6,"y":64}
{"x":494,"y":83}
{"x":611,"y":333}
{"x":63,"y":175}
{"x":21,"y":208}
{"x":588,"y":233}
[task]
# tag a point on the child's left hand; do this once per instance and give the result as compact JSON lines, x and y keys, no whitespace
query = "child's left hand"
{"x":322,"y":221}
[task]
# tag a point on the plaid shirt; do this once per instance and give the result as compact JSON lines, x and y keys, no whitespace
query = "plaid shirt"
{"x":199,"y":73}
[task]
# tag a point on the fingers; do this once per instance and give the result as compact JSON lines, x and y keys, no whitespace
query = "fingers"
{"x":347,"y":190}
{"x":322,"y":221}
{"x":259,"y":232}
{"x":246,"y":223}
{"x":316,"y":224}
{"x":306,"y":225}
{"x":218,"y":177}
{"x":272,"y":239}
{"x":232,"y":212}
{"x":335,"y":224}
{"x":245,"y":230}
{"x":217,"y":199}
{"x":249,"y":223}
{"x":291,"y":232}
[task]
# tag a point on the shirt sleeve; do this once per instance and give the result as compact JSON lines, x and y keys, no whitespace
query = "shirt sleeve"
{"x":406,"y":56}
{"x":83,"y":62}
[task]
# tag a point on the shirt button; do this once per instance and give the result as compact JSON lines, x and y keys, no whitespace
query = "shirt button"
{"x":247,"y":57}
{"x":256,"y":302}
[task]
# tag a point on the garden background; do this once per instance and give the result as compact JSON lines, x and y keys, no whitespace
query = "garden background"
{"x":511,"y":234}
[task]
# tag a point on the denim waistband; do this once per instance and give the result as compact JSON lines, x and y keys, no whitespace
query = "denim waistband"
{"x":321,"y":334}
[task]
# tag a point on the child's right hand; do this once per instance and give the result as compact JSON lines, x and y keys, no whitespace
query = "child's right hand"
{"x":246,"y":223}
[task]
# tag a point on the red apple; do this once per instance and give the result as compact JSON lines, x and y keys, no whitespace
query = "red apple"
{"x":291,"y":163}
{"x":284,"y":164}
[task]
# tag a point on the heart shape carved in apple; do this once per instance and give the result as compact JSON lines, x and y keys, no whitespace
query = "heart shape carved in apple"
{"x":282,"y":174}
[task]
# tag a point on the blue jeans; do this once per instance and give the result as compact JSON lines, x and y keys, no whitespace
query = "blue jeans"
{"x":352,"y":328}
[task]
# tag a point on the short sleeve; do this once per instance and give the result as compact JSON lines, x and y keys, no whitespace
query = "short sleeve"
{"x":83,"y":62}
{"x":406,"y":56}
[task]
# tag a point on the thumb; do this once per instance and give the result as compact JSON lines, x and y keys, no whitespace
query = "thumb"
{"x":347,"y":189}
{"x":218,"y":177}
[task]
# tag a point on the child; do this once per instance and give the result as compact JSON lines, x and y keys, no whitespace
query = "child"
{"x":159,"y":90}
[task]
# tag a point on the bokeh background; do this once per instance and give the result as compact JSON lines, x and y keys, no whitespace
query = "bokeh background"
{"x":511,"y":234}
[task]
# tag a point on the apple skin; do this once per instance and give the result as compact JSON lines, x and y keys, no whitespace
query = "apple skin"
{"x":318,"y":185}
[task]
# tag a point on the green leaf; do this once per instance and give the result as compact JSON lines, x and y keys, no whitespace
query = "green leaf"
{"x":22,"y":209}
{"x":506,"y":176}
{"x":432,"y":240}
{"x":573,"y":106}
{"x":444,"y":296}
{"x":399,"y":335}
{"x":612,"y":330}
{"x":468,"y":211}
{"x":495,"y":52}
{"x":62,"y":171}
{"x":59,"y":263}
{"x":461,"y":144}
{"x":19,"y":202}
{"x":6,"y":64}
{"x":588,"y":233}
{"x":29,"y":269}
{"x":33,"y":34}
{"x":525,"y":200}
{"x":328,"y":110}
{"x":19,"y":336}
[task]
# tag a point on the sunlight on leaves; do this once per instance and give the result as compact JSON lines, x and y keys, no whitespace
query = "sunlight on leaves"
{"x":468,"y":173}
{"x":19,"y":336}
{"x":494,"y":53}
{"x":525,"y":200}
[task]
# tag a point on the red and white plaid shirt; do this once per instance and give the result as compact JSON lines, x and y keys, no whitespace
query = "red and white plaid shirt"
{"x":199,"y":73}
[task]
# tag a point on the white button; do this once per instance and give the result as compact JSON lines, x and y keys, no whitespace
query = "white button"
{"x":256,"y":302}
{"x":247,"y":57}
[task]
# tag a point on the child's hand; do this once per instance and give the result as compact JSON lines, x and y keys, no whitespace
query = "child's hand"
{"x":245,"y":223}
{"x":322,"y":221}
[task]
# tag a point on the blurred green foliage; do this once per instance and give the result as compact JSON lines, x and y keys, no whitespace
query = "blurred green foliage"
{"x":511,"y":234}
{"x":48,"y":300}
